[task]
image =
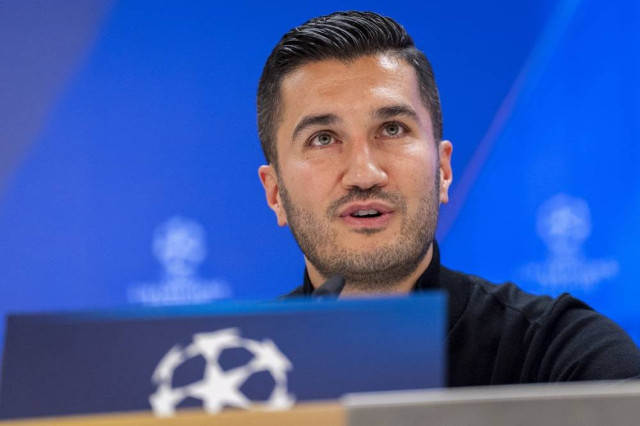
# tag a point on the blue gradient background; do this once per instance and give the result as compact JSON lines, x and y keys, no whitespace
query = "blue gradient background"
{"x":116,"y":116}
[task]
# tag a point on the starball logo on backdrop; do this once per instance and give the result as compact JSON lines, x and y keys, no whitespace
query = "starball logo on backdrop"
{"x":564,"y":224}
{"x":179,"y":245}
{"x":219,"y":387}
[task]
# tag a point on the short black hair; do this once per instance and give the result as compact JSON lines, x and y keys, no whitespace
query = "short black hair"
{"x":344,"y":36}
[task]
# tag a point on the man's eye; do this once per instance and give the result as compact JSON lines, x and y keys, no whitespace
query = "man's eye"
{"x":322,"y":139}
{"x":393,"y":129}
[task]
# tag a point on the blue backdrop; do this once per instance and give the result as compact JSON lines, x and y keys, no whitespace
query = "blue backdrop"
{"x":129,"y":154}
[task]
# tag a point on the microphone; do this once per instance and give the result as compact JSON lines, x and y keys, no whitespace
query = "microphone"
{"x":331,"y":288}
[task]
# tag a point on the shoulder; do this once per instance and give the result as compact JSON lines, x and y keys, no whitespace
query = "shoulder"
{"x":475,"y":297}
{"x":521,"y":337}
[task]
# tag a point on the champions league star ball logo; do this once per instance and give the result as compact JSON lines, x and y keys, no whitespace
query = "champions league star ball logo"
{"x":179,"y":245}
{"x":221,"y":388}
{"x":564,"y":224}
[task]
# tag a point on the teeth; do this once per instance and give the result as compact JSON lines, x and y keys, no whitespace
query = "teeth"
{"x":365,"y":212}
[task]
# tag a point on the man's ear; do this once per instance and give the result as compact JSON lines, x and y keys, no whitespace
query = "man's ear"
{"x":446,"y":174}
{"x":269,"y":179}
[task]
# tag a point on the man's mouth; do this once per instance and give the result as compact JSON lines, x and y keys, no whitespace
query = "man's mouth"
{"x":369,"y":215}
{"x":366,"y":213}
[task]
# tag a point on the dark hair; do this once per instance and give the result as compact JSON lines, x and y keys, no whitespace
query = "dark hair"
{"x":343,"y":36}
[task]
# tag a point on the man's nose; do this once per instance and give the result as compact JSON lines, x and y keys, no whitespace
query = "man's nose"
{"x":363,"y":168}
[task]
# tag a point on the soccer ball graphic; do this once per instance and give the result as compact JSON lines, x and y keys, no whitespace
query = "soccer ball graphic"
{"x":219,"y":388}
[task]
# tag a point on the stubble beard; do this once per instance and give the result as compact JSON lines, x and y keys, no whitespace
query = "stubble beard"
{"x":378,"y":269}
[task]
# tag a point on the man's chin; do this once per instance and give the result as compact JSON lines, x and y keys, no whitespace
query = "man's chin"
{"x":368,"y":242}
{"x":363,"y":260}
{"x":368,"y":231}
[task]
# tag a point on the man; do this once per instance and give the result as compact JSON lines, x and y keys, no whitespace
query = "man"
{"x":350,"y":123}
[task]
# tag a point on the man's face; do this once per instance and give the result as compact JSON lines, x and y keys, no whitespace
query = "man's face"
{"x":359,"y":177}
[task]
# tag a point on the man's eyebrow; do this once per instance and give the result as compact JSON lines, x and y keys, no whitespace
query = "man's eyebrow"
{"x":314,"y":120}
{"x":391,"y":111}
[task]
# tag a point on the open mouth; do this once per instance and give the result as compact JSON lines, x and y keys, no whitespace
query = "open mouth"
{"x":364,"y":214}
{"x":367,"y":215}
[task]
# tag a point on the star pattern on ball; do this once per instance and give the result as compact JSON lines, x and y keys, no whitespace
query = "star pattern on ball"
{"x":220,"y":388}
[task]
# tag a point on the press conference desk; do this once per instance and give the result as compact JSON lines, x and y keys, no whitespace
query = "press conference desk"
{"x":583,"y":404}
{"x":321,"y":414}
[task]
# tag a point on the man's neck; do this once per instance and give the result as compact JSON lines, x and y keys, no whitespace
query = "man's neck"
{"x":403,"y":286}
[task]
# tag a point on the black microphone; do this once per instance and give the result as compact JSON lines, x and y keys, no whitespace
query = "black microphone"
{"x":331,"y":288}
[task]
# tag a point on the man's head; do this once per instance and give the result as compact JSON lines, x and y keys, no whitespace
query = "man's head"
{"x":351,"y":129}
{"x":344,"y":36}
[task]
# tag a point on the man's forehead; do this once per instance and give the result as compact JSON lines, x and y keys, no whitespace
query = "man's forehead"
{"x":327,"y":86}
{"x":324,"y":70}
